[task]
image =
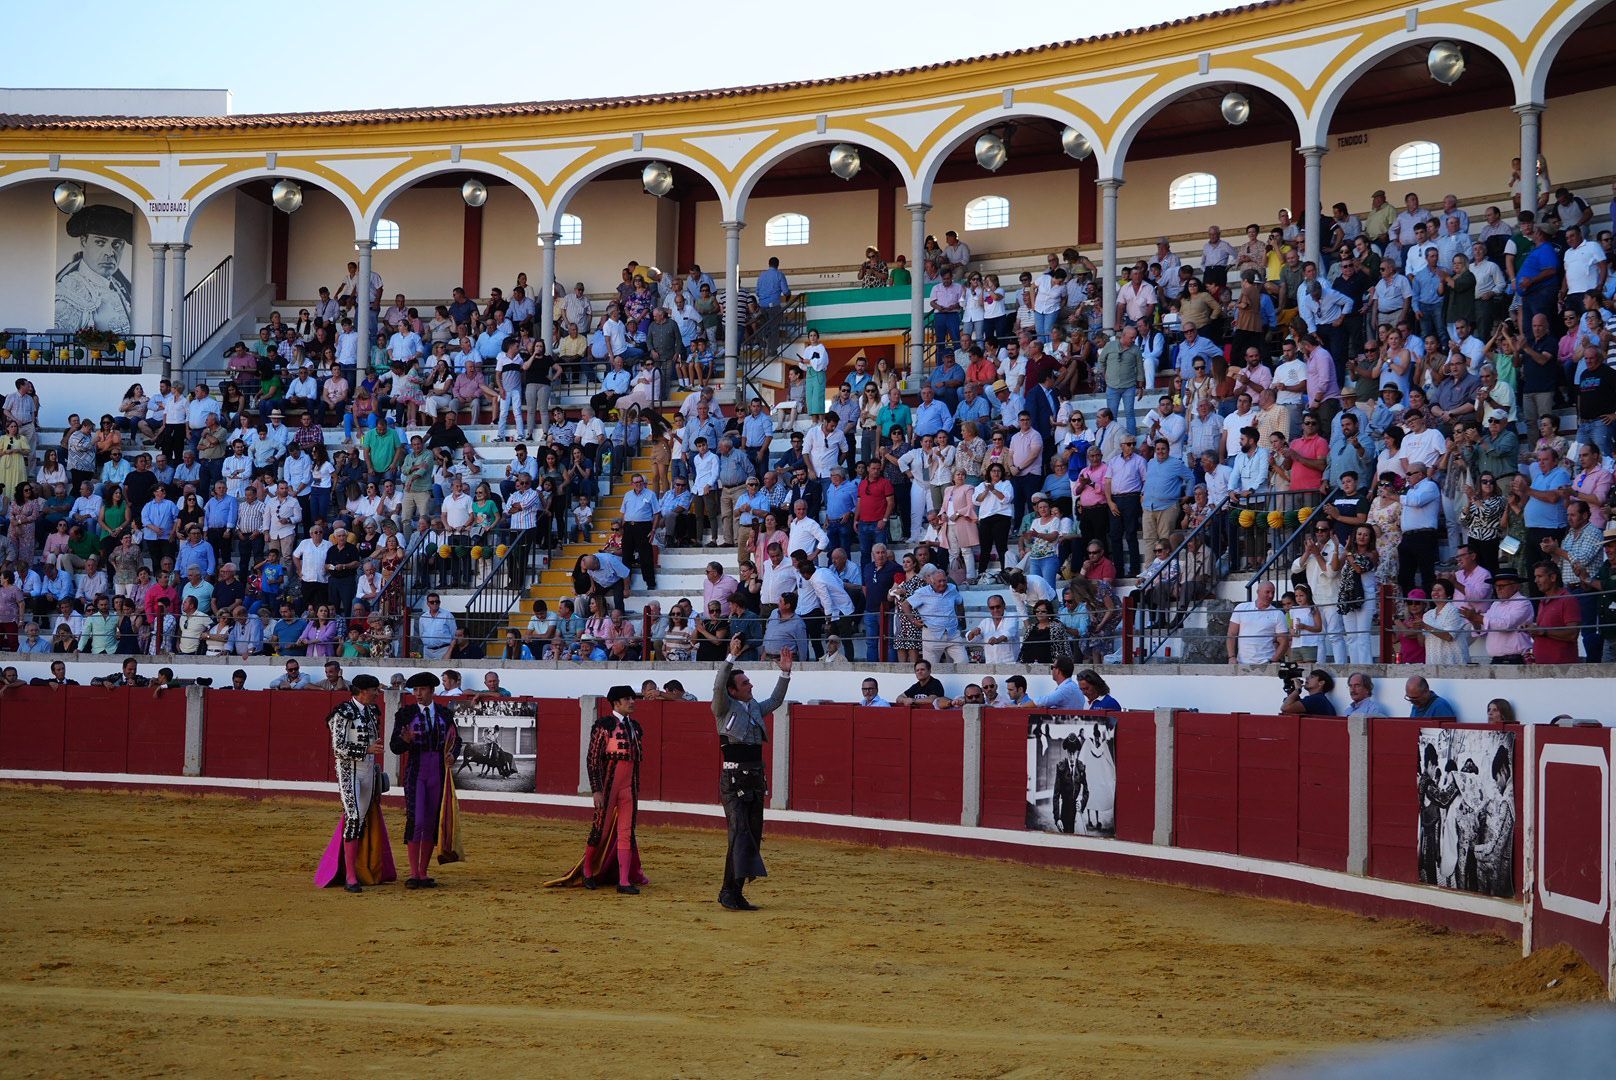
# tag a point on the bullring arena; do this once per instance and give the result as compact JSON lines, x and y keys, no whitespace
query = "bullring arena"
{"x":144,"y":933}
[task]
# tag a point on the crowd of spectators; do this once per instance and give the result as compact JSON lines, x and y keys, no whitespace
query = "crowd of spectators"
{"x":1404,"y":392}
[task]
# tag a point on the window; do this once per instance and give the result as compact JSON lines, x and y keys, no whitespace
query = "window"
{"x":386,"y":235}
{"x":571,"y":233}
{"x":1416,"y":159}
{"x":786,"y":230}
{"x":1192,"y":190}
{"x":987,"y":212}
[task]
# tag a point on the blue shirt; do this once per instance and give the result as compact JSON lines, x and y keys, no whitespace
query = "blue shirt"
{"x":840,"y":500}
{"x":611,"y":571}
{"x":772,"y":288}
{"x":615,"y":382}
{"x":937,"y":609}
{"x":1421,"y":505}
{"x":639,"y":506}
{"x":1540,"y":258}
{"x":1064,"y":696}
{"x":1166,"y":482}
{"x":159,"y":516}
{"x":977,"y":410}
{"x":1540,"y":514}
{"x":733,"y":468}
{"x":932,"y":418}
{"x":756,"y":430}
{"x":220,"y":512}
{"x":1437,"y":707}
{"x":1427,"y":287}
{"x":288,"y":631}
{"x":674,"y":501}
{"x":198,"y":555}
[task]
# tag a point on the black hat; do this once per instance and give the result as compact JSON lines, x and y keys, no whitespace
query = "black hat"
{"x":1071,"y":743}
{"x":103,"y":220}
{"x":619,"y":692}
{"x":423,"y":678}
{"x":364,"y":682}
{"x":1507,"y":575}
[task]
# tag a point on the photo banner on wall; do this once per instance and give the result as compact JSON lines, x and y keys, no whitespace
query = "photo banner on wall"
{"x":95,"y":266}
{"x":1072,"y":774}
{"x":498,"y":748}
{"x":1467,"y":810}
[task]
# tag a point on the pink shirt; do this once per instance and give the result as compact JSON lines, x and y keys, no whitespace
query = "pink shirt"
{"x":1026,"y":453}
{"x":1594,"y":483}
{"x":1321,"y":384}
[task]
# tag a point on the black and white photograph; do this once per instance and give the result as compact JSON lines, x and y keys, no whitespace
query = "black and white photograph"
{"x":1072,"y":775}
{"x":1467,"y":810}
{"x":93,"y":286}
{"x":498,"y":748}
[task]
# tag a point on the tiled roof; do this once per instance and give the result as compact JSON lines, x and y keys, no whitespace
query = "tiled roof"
{"x":10,"y":122}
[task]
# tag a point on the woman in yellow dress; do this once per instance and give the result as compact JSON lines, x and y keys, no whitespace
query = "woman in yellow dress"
{"x":14,"y":454}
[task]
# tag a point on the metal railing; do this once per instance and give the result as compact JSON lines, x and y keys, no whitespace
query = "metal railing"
{"x":50,"y":352}
{"x":393,"y":599}
{"x":1157,"y":607}
{"x":512,"y":566}
{"x":768,"y":343}
{"x":207,"y":309}
{"x":1289,"y":504}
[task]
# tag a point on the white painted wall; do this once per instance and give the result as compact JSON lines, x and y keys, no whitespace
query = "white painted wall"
{"x":1207,"y":689}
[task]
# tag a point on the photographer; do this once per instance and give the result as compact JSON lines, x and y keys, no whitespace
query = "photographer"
{"x":1318,"y":686}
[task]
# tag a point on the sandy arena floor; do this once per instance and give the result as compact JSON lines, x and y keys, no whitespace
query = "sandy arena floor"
{"x":147,"y":935}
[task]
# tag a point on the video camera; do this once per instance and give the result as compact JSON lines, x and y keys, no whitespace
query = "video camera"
{"x":1290,"y":677}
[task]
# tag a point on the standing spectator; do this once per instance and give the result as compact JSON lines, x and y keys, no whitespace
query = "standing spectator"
{"x":1577,"y":557}
{"x":1547,"y":493}
{"x":1124,"y":367}
{"x":1258,"y":632}
{"x":1554,"y":630}
{"x":1417,"y":551}
{"x":435,"y":629}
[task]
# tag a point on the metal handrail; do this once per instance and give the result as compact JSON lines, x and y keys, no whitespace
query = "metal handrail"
{"x":207,"y":309}
{"x":48,"y":352}
{"x":769,"y":342}
{"x":507,"y":582}
{"x":396,"y":587}
{"x":1271,"y":569}
{"x":1141,"y":643}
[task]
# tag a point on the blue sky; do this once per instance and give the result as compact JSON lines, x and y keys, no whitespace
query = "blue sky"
{"x":305,"y":62}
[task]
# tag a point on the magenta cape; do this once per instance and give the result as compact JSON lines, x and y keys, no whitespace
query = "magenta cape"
{"x":375,"y":853}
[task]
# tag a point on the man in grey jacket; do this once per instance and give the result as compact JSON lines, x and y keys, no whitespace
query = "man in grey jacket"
{"x":742,"y":786}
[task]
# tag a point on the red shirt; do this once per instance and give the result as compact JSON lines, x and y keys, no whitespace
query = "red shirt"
{"x":983,"y":371}
{"x":872,"y":499}
{"x":1306,"y":477}
{"x":1554,"y":612}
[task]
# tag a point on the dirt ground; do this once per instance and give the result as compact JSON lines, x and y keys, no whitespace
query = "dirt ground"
{"x":145,"y":935}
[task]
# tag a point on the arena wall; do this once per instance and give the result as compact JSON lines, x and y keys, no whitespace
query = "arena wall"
{"x":1314,"y":810}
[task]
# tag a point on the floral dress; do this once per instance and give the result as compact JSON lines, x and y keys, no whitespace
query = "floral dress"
{"x":24,"y":536}
{"x":907,"y":634}
{"x":1387,"y":518}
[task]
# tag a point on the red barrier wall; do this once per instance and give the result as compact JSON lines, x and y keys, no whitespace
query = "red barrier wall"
{"x":557,"y":746}
{"x":96,"y":727}
{"x":936,"y":765}
{"x":1136,"y":776}
{"x":1324,"y":784}
{"x":235,"y":734}
{"x":1267,"y":765}
{"x":156,"y":731}
{"x":822,"y":758}
{"x":33,"y":728}
{"x":299,"y":737}
{"x":1004,"y":768}
{"x":1206,"y":779}
{"x":1573,"y":771}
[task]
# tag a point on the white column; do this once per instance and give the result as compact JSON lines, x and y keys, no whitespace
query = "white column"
{"x":732,"y":310}
{"x":1108,"y":249}
{"x":176,"y":319}
{"x":159,"y":267}
{"x":362,"y":325}
{"x":1531,"y":114}
{"x":1312,"y":212}
{"x":917,"y":278}
{"x":547,"y":245}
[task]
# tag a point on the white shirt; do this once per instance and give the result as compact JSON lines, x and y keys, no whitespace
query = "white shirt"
{"x":588,"y":432}
{"x":831,"y":592}
{"x":1008,"y":627}
{"x":313,"y":556}
{"x":804,"y":534}
{"x":706,"y":467}
{"x":816,"y":357}
{"x":1257,"y":629}
{"x":824,"y":453}
{"x":283,"y":516}
{"x":777,"y":581}
{"x":176,"y":408}
{"x":1426,"y":446}
{"x":1231,"y":429}
{"x":1582,"y":266}
{"x":1292,"y":371}
{"x":457,"y":510}
{"x":1049,"y":298}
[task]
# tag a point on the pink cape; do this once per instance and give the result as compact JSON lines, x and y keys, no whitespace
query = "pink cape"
{"x":375,"y":853}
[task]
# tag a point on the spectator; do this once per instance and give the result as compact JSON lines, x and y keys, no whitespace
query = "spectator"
{"x":1361,"y":691}
{"x":1424,"y":702}
{"x":925,"y":689}
{"x":435,"y":629}
{"x":1258,"y":632}
{"x":1319,"y":685}
{"x":293,"y":679}
{"x":1554,"y":631}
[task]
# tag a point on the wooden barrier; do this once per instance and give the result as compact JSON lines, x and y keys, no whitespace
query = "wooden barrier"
{"x":1571,"y":894}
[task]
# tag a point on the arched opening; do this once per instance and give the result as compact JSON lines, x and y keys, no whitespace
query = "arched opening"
{"x":1577,"y":103}
{"x":787,"y":230}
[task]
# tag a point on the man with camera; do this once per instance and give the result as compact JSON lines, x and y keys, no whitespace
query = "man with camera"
{"x":1308,"y":696}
